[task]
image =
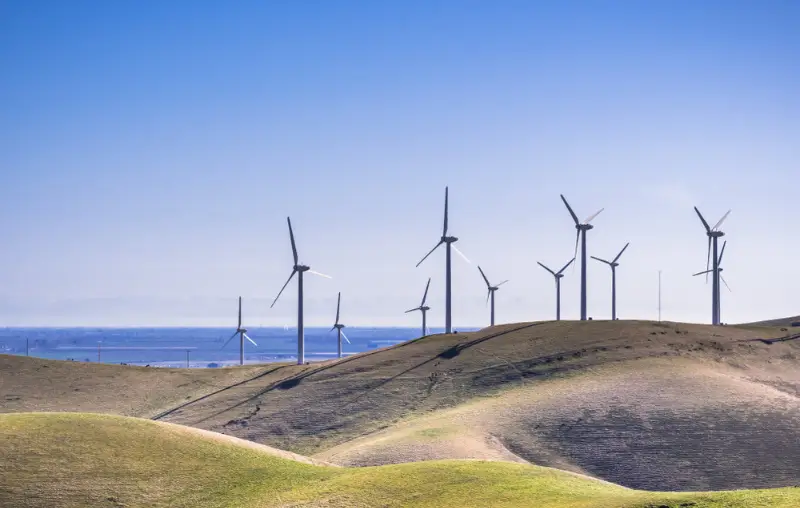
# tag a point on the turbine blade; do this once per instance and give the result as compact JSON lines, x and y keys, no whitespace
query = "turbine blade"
{"x":251,"y":340}
{"x":425,"y":295}
{"x":412,"y":310}
{"x":291,"y":237}
{"x":345,"y":337}
{"x":591,"y":217}
{"x":577,"y":239}
{"x":338,"y":301}
{"x":601,"y":260}
{"x":705,"y":224}
{"x":724,"y":282}
{"x":444,"y":230}
{"x":549,"y":270}
{"x":497,"y":286}
{"x":230,"y":339}
{"x":284,"y":287}
{"x":708,"y":257}
{"x":701,"y":273}
{"x":431,"y":252}
{"x":332,"y":328}
{"x":620,"y":252}
{"x":719,"y":261}
{"x":484,"y":276}
{"x":565,"y":267}
{"x":488,"y":294}
{"x":320,"y":274}
{"x":718,"y":224}
{"x":461,"y":254}
{"x":574,"y":217}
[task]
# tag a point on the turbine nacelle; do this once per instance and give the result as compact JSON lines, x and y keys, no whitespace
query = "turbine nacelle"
{"x":449,"y":239}
{"x":301,"y":268}
{"x":715,"y":234}
{"x":583,"y":227}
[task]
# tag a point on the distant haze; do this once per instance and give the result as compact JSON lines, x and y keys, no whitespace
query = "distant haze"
{"x":151,"y":151}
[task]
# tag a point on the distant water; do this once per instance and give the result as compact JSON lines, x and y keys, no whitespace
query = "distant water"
{"x":167,"y":347}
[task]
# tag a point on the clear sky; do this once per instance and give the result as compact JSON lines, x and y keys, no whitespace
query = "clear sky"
{"x":150,"y":152}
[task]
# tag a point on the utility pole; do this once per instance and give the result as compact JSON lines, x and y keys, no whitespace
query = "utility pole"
{"x":659,"y":296}
{"x":187,"y":358}
{"x":27,"y":349}
{"x":98,"y":351}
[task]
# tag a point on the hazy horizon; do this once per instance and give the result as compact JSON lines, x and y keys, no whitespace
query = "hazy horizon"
{"x":151,"y":153}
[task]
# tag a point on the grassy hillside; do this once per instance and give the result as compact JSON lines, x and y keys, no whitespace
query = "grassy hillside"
{"x":71,"y":460}
{"x":34,"y":384}
{"x":717,"y":410}
{"x":787,"y":321}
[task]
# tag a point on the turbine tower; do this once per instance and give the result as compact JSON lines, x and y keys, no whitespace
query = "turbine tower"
{"x":719,"y":274}
{"x":338,"y":326}
{"x":613,"y":264}
{"x":448,"y":241}
{"x":298,"y":269}
{"x":713,"y":235}
{"x":582,"y":228}
{"x":242,"y":333}
{"x":490,"y":294}
{"x":558,"y":275}
{"x":423,"y":308}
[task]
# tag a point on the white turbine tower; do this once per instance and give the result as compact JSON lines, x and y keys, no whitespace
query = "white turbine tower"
{"x":490,"y":295}
{"x":582,"y":228}
{"x":558,"y":276}
{"x":423,"y":308}
{"x":242,"y":333}
{"x":717,"y":272}
{"x":298,"y":269}
{"x":448,"y":241}
{"x":338,"y":326}
{"x":613,"y":264}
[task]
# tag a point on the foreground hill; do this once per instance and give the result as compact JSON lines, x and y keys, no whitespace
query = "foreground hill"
{"x":76,"y":460}
{"x":657,"y":406}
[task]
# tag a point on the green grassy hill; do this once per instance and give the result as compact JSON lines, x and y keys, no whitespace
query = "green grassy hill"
{"x":76,"y":460}
{"x":647,"y":405}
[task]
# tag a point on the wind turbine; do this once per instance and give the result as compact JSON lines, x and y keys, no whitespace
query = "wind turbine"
{"x":423,"y":308}
{"x":338,"y":326}
{"x":448,"y":241}
{"x":241,"y":332}
{"x":582,"y":228}
{"x":613,"y":264}
{"x":558,"y":275}
{"x":713,"y":235}
{"x":299,"y":270}
{"x":719,"y":274}
{"x":491,"y":289}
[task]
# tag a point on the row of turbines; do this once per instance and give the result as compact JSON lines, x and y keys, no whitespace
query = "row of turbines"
{"x":582,"y":227}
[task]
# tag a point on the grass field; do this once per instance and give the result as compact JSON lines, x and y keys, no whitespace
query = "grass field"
{"x":655,"y":406}
{"x":75,"y":459}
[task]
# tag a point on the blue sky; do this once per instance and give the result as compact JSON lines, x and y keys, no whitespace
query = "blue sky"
{"x":151,"y":151}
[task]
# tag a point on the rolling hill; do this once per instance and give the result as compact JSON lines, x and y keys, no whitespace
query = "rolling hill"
{"x":75,"y":460}
{"x":655,"y":406}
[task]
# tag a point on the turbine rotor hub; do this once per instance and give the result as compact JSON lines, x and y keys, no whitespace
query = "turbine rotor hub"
{"x":449,"y":239}
{"x":302,"y":268}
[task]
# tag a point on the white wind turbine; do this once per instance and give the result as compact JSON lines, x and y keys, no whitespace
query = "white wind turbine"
{"x":338,"y":326}
{"x":242,"y":333}
{"x":298,"y":269}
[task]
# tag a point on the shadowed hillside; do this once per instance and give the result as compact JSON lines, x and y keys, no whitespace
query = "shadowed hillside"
{"x":65,"y":460}
{"x":647,"y":405}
